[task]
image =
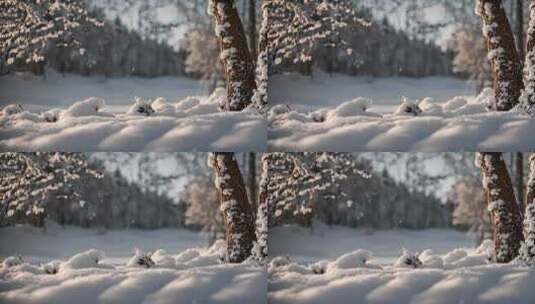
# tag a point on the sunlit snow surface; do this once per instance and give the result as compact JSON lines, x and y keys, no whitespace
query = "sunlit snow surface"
{"x":345,"y":114}
{"x":184,"y":272}
{"x":341,"y":265}
{"x":88,"y":115}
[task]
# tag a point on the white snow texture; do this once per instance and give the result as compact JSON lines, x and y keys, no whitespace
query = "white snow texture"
{"x":311,"y":115}
{"x":193,"y":275}
{"x":191,"y":124}
{"x":459,"y":275}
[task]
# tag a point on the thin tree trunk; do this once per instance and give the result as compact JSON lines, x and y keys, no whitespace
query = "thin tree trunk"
{"x":237,"y":214}
{"x":528,"y":250}
{"x":519,"y":28}
{"x":262,"y":64}
{"x":262,"y":218}
{"x":251,"y":179}
{"x":505,"y":214}
{"x":505,"y":62}
{"x":519,"y":180}
{"x":252,"y":28}
{"x":235,"y":56}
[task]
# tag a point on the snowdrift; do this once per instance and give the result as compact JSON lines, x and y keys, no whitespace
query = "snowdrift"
{"x":459,"y":276}
{"x":191,"y":276}
{"x":462,"y":123}
{"x":191,"y":124}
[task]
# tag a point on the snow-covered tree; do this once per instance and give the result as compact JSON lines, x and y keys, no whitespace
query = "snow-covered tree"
{"x":238,"y":218}
{"x":27,"y":26}
{"x":260,"y":250}
{"x":295,"y":178}
{"x":203,"y":207}
{"x":26,"y":178}
{"x":297,"y":27}
{"x":502,"y":53}
{"x":506,"y":218}
{"x":238,"y":64}
{"x":260,"y":96}
{"x":470,"y":56}
{"x":527,"y":102}
{"x":527,"y":252}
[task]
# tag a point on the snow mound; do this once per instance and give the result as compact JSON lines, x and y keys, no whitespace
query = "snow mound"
{"x":12,"y":261}
{"x":89,"y":107}
{"x":412,"y":278}
{"x":163,"y":108}
{"x":87,"y":259}
{"x":12,"y":109}
{"x":430,"y":260}
{"x":354,"y":259}
{"x":88,"y":281}
{"x":461,"y":123}
{"x":194,"y":124}
{"x":350,"y":108}
{"x":162,"y":259}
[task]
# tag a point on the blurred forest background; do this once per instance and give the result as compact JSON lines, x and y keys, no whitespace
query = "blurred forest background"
{"x":176,"y":190}
{"x":176,"y":38}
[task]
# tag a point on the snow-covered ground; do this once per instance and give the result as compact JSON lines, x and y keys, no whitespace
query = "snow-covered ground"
{"x":60,"y":266}
{"x":54,"y":91}
{"x":342,"y":265}
{"x":302,"y":243}
{"x":307,"y":94}
{"x":55,"y":115}
{"x":338,"y":114}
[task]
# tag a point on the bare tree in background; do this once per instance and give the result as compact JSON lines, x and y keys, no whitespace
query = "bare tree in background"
{"x":470,"y":208}
{"x":506,"y":218}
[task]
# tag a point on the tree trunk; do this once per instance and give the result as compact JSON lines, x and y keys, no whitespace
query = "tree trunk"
{"x":237,"y":214}
{"x":251,"y":179}
{"x":252,"y":28}
{"x":528,"y":98}
{"x":262,"y":219}
{"x":237,"y":62}
{"x":528,"y":250}
{"x":262,"y":62}
{"x":519,"y":28}
{"x":503,"y":55}
{"x":505,"y":214}
{"x":519,"y":180}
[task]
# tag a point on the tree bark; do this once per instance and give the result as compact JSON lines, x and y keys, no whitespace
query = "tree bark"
{"x":530,"y":189}
{"x":505,"y":214}
{"x":262,"y":60}
{"x":262,"y":218}
{"x":519,"y":28}
{"x":252,"y":28}
{"x":235,"y":56}
{"x":519,"y":180}
{"x":505,"y":62}
{"x":528,"y":97}
{"x":237,"y":214}
{"x":251,"y":179}
{"x":528,"y":250}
